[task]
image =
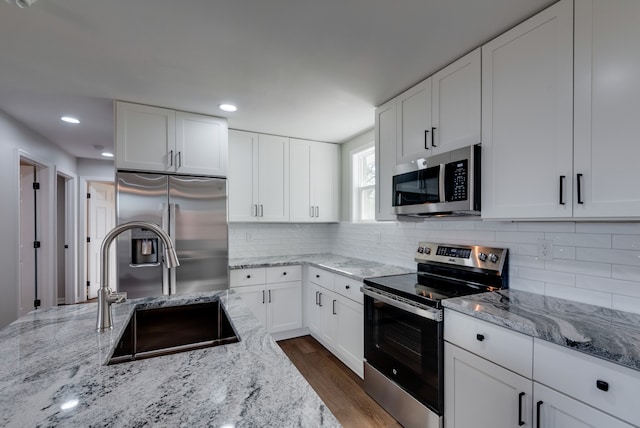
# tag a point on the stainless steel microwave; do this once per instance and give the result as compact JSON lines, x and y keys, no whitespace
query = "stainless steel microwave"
{"x":440,"y":185}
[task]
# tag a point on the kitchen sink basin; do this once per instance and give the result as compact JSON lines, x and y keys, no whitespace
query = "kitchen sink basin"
{"x":172,"y":329}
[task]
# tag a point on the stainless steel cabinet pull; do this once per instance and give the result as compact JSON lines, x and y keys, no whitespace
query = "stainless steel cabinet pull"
{"x":433,"y":132}
{"x":579,"y":184}
{"x":255,"y":210}
{"x":520,"y":421}
{"x":179,"y":156}
{"x":269,"y":296}
{"x":263,"y":297}
{"x":319,"y":299}
{"x":261,"y":210}
{"x":317,"y":211}
{"x":334,"y":307}
{"x":311,"y":211}
{"x":426,"y":144}
{"x":562,"y":178}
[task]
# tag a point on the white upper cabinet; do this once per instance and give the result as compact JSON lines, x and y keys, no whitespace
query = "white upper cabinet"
{"x":314,"y":181}
{"x":163,"y":140}
{"x":385,"y":135}
{"x":527,"y":118}
{"x":201,"y":144}
{"x":414,"y":122}
{"x":258,"y":177}
{"x":456,"y":104}
{"x":607,"y":107}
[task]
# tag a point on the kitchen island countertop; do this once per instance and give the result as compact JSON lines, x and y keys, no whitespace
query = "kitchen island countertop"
{"x":351,"y":267}
{"x":53,"y":373}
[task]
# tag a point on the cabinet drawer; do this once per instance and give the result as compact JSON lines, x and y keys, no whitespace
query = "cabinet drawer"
{"x":321,"y":277}
{"x":500,"y":345}
{"x":284,"y":274}
{"x":578,"y":376}
{"x":243,"y":277}
{"x":349,"y":288}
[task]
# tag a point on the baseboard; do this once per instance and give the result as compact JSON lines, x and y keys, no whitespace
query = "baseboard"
{"x":290,"y":334}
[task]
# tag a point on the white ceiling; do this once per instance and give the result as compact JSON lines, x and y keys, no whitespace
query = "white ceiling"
{"x":312,"y":69}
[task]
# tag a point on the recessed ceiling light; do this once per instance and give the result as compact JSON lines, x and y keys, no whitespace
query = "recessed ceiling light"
{"x":69,"y":119}
{"x":228,"y":107}
{"x":107,"y":154}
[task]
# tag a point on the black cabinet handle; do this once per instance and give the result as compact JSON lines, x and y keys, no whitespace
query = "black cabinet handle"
{"x":269,"y":296}
{"x":317,"y":276}
{"x":520,"y":421}
{"x":316,"y":297}
{"x":334,"y":307}
{"x":248,"y":276}
{"x":263,"y":297}
{"x":538,"y":413}
{"x":347,"y":287}
{"x":602,"y":385}
{"x":579,"y":184}
{"x":284,"y":273}
{"x":562,"y":178}
{"x":319,"y":299}
{"x":426,"y":144}
{"x":480,"y":337}
{"x":433,"y":132}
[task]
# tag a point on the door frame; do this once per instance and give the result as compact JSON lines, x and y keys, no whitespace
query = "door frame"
{"x":70,"y":238}
{"x":47,"y":217}
{"x":83,"y":233}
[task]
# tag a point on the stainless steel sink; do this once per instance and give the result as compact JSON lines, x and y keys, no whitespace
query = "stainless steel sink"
{"x":167,"y":330}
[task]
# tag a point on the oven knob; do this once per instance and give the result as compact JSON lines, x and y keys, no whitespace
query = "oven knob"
{"x":420,"y":250}
{"x":493,"y":258}
{"x":482,"y":256}
{"x":395,"y":372}
{"x":427,"y":250}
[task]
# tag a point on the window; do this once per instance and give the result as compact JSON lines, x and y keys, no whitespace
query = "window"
{"x":364,"y":185}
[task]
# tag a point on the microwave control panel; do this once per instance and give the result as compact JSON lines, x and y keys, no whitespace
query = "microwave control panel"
{"x":457,"y":181}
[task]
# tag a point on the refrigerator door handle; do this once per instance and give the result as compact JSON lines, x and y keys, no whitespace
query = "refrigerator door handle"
{"x":172,"y":231}
{"x":166,"y":290}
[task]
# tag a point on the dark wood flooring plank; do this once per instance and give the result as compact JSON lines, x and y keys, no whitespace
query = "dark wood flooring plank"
{"x":340,"y":388}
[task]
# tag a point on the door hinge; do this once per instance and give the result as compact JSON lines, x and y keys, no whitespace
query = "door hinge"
{"x":88,"y":195}
{"x":36,"y":244}
{"x":88,"y":239}
{"x":36,"y":303}
{"x":36,"y":186}
{"x":66,"y":246}
{"x":88,"y":283}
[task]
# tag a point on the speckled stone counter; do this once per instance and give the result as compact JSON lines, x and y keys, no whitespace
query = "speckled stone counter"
{"x":53,"y":373}
{"x":357,"y":269}
{"x":600,"y":332}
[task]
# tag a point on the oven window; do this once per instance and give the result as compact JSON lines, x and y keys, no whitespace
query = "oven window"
{"x":416,"y":187}
{"x":407,"y":349}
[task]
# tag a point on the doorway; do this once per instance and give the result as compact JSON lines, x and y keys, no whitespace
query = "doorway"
{"x":101,"y":218}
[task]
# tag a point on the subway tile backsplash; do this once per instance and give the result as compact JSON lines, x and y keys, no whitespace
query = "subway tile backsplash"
{"x":596,"y":263}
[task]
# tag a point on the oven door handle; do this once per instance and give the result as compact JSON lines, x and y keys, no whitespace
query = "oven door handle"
{"x":429,"y":313}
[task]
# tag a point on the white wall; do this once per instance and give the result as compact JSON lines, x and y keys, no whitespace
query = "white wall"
{"x":359,"y":142}
{"x":96,"y":168}
{"x":14,"y":136}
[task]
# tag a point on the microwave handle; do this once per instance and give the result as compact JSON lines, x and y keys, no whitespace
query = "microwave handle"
{"x":441,"y":177}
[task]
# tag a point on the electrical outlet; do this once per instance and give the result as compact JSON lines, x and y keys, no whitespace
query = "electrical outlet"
{"x":248,"y":236}
{"x":545,"y":249}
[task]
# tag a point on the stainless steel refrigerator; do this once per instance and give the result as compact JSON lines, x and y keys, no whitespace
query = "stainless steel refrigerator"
{"x":193,"y":210}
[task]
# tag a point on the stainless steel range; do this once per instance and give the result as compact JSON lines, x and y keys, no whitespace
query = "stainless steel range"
{"x":403,"y":344}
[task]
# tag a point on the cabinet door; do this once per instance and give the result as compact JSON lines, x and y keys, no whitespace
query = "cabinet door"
{"x":385,"y":135}
{"x":527,"y":116}
{"x":414,"y":123}
{"x":456,"y":104}
{"x":255,"y":297}
{"x":607,"y":102}
{"x":473,"y":385}
{"x":350,"y":338}
{"x":325,"y":179}
{"x":145,"y":138}
{"x":201,"y":144}
{"x":284,"y":306}
{"x":555,"y":410}
{"x":312,"y":308}
{"x":243,"y":176}
{"x":301,"y":205}
{"x":273,"y":182}
{"x":327,"y":301}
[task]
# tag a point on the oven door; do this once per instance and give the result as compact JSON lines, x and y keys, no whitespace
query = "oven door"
{"x":406,"y":348}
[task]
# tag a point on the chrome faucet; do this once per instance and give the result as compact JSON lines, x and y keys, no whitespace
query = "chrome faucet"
{"x":105,"y":296}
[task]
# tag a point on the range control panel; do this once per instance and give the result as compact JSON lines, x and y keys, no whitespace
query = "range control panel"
{"x":475,"y":256}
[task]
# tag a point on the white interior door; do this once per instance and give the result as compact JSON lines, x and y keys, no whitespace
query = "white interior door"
{"x":101,"y":213}
{"x":27,"y":236}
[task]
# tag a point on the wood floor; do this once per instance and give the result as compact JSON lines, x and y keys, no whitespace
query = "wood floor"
{"x":340,"y":388}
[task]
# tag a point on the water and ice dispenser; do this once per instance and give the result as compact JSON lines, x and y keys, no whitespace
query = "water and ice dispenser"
{"x":144,"y":248}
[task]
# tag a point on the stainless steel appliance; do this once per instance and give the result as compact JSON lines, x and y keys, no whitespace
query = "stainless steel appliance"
{"x":193,"y":210}
{"x":404,"y":325}
{"x":444,"y":184}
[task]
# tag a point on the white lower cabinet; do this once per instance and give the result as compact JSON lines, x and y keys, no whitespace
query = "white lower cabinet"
{"x":276,"y":301}
{"x":334,"y":315}
{"x":544,"y":386}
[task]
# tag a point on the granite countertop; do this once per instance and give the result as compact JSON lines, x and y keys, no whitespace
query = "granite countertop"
{"x":53,"y":359}
{"x":357,"y":269}
{"x":600,"y":332}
